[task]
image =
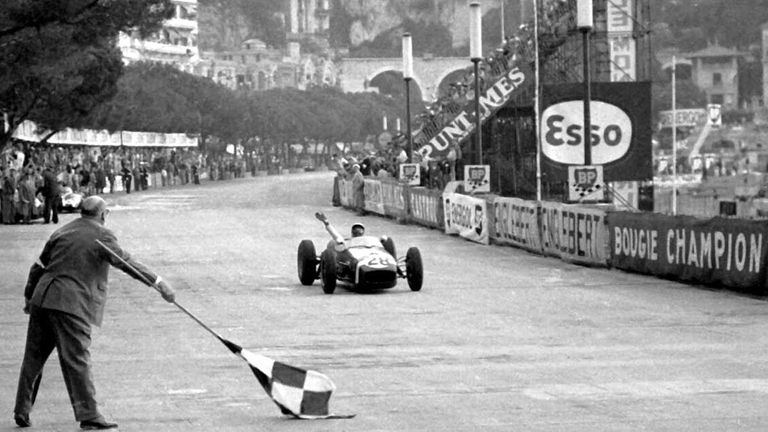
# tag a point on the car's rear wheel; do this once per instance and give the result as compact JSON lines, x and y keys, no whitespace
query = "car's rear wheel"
{"x":389,"y":246}
{"x":307,"y":262}
{"x":328,"y":271}
{"x":414,"y":270}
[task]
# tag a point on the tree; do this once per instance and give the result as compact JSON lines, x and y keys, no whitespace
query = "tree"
{"x":58,"y":60}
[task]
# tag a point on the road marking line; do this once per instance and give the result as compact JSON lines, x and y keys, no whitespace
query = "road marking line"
{"x":646,"y":389}
{"x":187,"y":391}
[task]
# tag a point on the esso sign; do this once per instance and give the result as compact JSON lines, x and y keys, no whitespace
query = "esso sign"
{"x":562,"y":135}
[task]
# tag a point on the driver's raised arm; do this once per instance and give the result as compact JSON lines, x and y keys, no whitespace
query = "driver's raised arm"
{"x":337,"y":237}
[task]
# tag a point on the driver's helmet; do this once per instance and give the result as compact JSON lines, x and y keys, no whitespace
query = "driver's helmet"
{"x":358,"y":229}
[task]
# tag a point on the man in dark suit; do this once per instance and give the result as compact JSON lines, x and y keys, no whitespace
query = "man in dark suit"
{"x":50,"y":192}
{"x":127,"y":177}
{"x":65,"y":294}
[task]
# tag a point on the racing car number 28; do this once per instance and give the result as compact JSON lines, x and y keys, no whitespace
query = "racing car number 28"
{"x":379,"y":262}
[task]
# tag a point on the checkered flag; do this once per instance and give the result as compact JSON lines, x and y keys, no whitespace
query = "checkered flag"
{"x":301,"y":393}
{"x":304,"y":394}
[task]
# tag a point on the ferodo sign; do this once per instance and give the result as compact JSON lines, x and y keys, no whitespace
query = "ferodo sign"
{"x":620,"y":134}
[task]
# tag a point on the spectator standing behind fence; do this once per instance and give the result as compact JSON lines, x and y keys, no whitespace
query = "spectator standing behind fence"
{"x":100,"y":178}
{"x":195,"y":174}
{"x":357,"y":190}
{"x":136,"y":175}
{"x":8,"y":192}
{"x":127,"y":179}
{"x":144,"y":175}
{"x":183,"y":173}
{"x":50,"y":191}
{"x":38,"y":177}
{"x":27,"y":191}
{"x":110,"y":176}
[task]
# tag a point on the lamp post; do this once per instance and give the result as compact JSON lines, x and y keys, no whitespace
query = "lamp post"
{"x":674,"y":135}
{"x":476,"y":55}
{"x":585,"y":24}
{"x":408,"y":76}
{"x":501,"y":12}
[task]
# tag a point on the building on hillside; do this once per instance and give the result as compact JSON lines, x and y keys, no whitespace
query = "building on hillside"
{"x":175,"y":43}
{"x":258,"y":67}
{"x":253,"y":64}
{"x":715,"y":70}
{"x":304,"y":60}
{"x":309,"y":23}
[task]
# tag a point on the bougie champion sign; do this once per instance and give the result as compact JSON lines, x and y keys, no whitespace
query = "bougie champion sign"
{"x":464,"y":124}
{"x":718,"y":251}
{"x":620,"y":130}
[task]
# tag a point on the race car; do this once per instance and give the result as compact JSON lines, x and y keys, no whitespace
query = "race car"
{"x":366,"y":264}
{"x":70,"y":201}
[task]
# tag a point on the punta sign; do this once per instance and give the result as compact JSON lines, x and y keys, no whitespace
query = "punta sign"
{"x":463,"y":125}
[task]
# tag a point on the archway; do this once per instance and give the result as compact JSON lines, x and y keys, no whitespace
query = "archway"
{"x":391,"y":83}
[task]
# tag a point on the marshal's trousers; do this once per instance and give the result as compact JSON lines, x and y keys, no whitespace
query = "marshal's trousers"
{"x":71,"y":337}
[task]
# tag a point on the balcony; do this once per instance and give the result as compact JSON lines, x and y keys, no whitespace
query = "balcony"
{"x":188,"y":24}
{"x":164,"y":48}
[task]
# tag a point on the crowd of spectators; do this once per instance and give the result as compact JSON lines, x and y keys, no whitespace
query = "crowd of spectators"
{"x":88,"y":170}
{"x":385,"y":163}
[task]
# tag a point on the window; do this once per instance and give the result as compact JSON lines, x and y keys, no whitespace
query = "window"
{"x":717,"y":79}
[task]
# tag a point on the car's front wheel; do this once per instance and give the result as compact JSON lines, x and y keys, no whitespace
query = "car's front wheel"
{"x":328,"y":271}
{"x":307,"y":262}
{"x":414,"y":270}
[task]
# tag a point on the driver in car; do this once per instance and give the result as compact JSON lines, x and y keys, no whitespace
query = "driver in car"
{"x":358,"y":230}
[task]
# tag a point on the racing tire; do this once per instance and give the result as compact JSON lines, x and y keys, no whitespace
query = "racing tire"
{"x":414,"y":270}
{"x":307,"y":262}
{"x":328,"y":271}
{"x":389,"y":246}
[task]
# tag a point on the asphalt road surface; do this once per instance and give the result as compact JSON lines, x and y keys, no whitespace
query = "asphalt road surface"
{"x":497,"y":340}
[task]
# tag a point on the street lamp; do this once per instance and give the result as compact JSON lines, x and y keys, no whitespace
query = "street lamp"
{"x":585,"y":24}
{"x":476,"y":55}
{"x":674,"y":135}
{"x":408,"y":76}
{"x":501,"y":12}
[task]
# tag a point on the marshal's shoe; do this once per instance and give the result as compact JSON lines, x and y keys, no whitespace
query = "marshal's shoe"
{"x":99,"y":423}
{"x":22,"y":420}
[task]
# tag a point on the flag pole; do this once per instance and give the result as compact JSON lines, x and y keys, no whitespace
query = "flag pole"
{"x":143,"y":278}
{"x":308,"y":400}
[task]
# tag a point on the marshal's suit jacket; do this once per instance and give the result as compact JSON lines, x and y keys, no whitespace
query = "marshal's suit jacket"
{"x":71,"y":274}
